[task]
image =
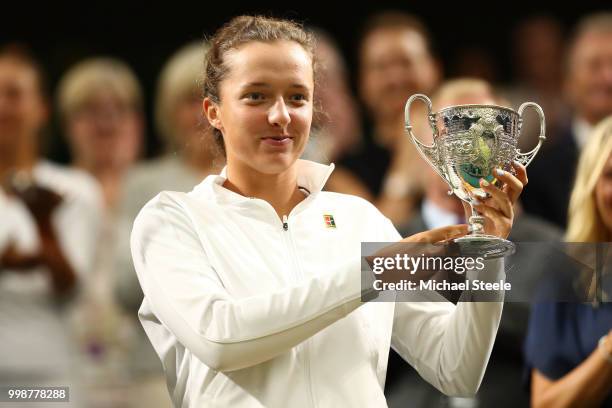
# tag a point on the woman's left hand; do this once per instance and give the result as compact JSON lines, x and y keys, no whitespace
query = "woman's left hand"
{"x":498,"y":208}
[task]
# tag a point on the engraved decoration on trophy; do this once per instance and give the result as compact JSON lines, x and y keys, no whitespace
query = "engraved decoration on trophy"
{"x":469,"y":142}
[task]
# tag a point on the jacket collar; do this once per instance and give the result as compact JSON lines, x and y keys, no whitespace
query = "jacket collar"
{"x":310,"y":175}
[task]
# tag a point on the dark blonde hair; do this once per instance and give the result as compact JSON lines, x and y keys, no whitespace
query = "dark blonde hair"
{"x":95,"y":75}
{"x":179,"y":79}
{"x":239,"y":31}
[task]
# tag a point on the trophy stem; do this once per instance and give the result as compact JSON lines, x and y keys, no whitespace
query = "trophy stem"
{"x":478,"y":243}
{"x":476,"y":222}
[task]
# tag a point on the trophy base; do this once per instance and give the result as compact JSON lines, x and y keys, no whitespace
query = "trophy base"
{"x":485,"y":246}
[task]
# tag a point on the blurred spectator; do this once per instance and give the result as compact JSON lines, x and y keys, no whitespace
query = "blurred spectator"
{"x":588,"y":87}
{"x":100,"y":102}
{"x":336,"y":126}
{"x":538,"y":47}
{"x":439,"y":209}
{"x":395,"y":62}
{"x":475,"y":62}
{"x":569,"y":347}
{"x":179,"y":119}
{"x":191,"y":155}
{"x":48,"y":229}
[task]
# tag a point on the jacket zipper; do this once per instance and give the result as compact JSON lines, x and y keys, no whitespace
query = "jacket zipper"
{"x":293,"y":254}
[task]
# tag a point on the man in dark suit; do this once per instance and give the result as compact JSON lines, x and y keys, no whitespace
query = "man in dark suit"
{"x":588,"y":89}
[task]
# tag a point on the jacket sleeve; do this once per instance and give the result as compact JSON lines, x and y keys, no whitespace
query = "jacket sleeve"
{"x":449,"y":345}
{"x":226,"y":333}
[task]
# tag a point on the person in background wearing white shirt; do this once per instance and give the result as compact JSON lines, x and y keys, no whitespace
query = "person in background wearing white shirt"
{"x":100,"y":102}
{"x":588,"y":89}
{"x":48,"y":231}
{"x":252,"y":281}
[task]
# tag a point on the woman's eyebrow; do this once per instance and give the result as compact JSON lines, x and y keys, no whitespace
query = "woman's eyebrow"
{"x":256,"y":84}
{"x":267,"y":85}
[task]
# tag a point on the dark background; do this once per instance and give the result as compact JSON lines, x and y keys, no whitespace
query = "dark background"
{"x":144,"y":35}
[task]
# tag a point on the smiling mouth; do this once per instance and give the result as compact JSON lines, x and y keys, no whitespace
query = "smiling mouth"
{"x":277,"y":142}
{"x":278,"y":138}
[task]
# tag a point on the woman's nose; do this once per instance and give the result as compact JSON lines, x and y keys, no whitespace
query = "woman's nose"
{"x":279,"y":115}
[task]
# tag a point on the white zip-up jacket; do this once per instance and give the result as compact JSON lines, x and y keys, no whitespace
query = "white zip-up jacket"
{"x":247,"y":310}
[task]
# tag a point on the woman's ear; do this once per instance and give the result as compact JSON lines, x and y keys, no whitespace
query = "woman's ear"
{"x":211,"y":111}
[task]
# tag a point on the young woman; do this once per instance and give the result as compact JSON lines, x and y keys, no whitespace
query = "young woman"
{"x":569,"y":346}
{"x":252,"y":281}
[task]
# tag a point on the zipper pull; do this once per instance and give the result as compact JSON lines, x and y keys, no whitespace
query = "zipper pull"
{"x":285,"y":223}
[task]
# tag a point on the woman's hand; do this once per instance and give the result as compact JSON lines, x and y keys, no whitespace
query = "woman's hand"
{"x":498,"y":207}
{"x":13,"y":259}
{"x":40,"y":201}
{"x":442,"y":234}
{"x":425,"y":238}
{"x":423,"y":244}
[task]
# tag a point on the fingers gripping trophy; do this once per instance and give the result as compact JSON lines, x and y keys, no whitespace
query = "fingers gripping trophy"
{"x":470,"y":141}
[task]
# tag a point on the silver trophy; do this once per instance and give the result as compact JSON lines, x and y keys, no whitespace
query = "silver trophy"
{"x":470,"y":141}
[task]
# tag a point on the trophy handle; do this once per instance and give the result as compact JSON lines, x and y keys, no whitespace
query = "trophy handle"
{"x":526,"y":158}
{"x":429,"y":153}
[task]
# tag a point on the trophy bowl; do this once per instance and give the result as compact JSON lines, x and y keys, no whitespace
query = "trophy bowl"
{"x":469,"y":142}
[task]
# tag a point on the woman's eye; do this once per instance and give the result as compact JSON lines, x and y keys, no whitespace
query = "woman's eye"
{"x":298,"y":97}
{"x":254,"y":96}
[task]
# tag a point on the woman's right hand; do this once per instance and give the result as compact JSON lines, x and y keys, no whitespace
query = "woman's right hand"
{"x":425,"y":246}
{"x":442,"y":234}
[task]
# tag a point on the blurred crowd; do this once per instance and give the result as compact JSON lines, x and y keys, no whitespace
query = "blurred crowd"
{"x":69,"y":296}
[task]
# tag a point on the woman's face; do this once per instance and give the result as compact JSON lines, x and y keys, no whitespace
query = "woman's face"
{"x":265,"y":108}
{"x":188,"y":119}
{"x":22,"y":110}
{"x":105,"y":132}
{"x":603,"y":194}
